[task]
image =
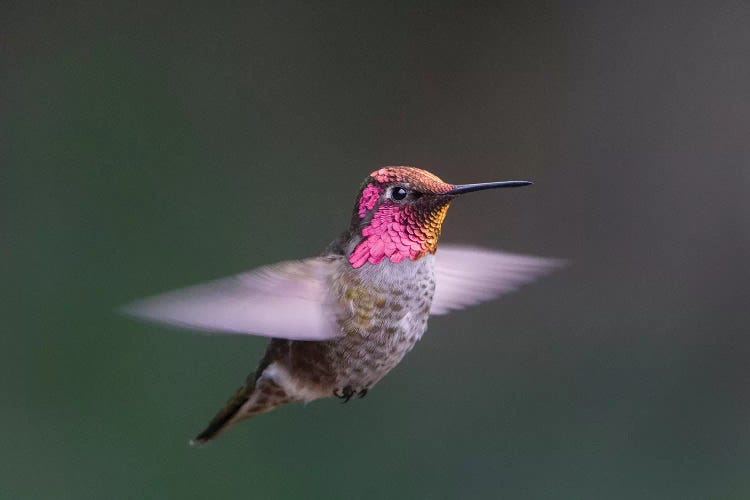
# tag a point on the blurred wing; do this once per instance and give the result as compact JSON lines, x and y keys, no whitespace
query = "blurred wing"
{"x":285,"y":300}
{"x":465,"y":276}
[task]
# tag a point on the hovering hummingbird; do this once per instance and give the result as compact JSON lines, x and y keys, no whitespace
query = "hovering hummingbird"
{"x":341,"y":321}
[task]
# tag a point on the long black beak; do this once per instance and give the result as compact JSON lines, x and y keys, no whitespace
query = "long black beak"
{"x":468,"y":188}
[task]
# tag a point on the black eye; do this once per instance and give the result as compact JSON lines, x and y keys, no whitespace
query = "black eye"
{"x":398,"y":193}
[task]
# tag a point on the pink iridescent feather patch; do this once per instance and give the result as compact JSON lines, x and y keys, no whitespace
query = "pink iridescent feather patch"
{"x":370,"y":195}
{"x":390,"y":235}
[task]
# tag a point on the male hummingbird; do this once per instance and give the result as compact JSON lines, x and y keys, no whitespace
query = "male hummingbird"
{"x":341,"y":321}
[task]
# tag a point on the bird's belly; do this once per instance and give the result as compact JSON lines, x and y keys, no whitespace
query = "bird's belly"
{"x":351,"y":364}
{"x":385,"y":314}
{"x":364,"y":356}
{"x":381,"y":318}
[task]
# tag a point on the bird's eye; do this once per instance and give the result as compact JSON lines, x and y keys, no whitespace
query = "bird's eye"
{"x":398,"y":193}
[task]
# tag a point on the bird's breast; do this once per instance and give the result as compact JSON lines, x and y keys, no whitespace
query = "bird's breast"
{"x":382,"y":312}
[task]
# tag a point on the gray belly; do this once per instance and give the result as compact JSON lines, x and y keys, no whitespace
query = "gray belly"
{"x":362,"y":359}
{"x":383,"y":320}
{"x":381,"y":316}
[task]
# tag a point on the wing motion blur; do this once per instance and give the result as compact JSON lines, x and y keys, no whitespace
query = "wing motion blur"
{"x":284,"y":300}
{"x":466,"y":275}
{"x":290,"y":299}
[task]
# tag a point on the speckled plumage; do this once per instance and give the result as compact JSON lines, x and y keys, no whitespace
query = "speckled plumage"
{"x":340,"y":322}
{"x":381,"y":291}
{"x":381,"y":320}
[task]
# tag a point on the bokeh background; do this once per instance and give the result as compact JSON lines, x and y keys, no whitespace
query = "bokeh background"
{"x":149,"y":145}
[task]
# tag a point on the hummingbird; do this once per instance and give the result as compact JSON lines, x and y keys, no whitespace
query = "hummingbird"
{"x":339,"y":322}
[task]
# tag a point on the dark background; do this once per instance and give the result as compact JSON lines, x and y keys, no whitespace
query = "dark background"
{"x":148,"y":146}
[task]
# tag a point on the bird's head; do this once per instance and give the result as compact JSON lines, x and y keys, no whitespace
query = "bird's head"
{"x":400,"y":211}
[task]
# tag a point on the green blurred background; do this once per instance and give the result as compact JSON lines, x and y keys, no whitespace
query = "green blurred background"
{"x":147,"y":146}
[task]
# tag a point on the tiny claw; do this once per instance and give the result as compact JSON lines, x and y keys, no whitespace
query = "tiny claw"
{"x":346,"y":393}
{"x":362,"y":393}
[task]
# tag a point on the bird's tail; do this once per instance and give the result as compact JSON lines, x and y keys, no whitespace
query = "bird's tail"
{"x":258,"y":395}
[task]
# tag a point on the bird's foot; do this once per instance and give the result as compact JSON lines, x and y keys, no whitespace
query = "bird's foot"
{"x":346,"y":393}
